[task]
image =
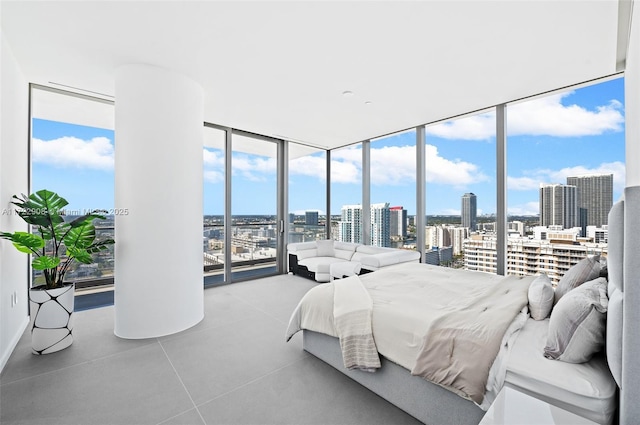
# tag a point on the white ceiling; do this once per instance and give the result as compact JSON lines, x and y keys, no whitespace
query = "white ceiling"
{"x":280,"y":68}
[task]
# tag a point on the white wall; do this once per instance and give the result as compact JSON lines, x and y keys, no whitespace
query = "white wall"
{"x":632,"y":102}
{"x":630,"y":388}
{"x":14,"y":135}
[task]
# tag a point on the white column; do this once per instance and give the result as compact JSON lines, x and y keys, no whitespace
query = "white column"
{"x":158,"y":190}
{"x":630,"y":388}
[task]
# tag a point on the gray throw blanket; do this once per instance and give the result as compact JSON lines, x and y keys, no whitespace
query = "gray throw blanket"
{"x":461,"y":344}
{"x":352,"y":310}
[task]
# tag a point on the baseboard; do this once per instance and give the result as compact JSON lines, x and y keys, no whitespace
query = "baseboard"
{"x":14,"y":342}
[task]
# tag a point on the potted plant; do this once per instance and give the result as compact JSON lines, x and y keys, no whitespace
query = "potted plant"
{"x":55,"y":245}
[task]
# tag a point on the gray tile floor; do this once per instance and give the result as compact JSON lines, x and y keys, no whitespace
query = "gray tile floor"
{"x":232,"y":368}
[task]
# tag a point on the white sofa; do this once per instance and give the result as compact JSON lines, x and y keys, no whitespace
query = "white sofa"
{"x":314,"y":259}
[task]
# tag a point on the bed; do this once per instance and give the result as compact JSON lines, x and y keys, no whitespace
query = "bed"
{"x":590,"y":388}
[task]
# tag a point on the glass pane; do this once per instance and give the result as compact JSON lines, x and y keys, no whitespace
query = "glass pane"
{"x":566,"y":167}
{"x":213,"y":200}
{"x":253,"y":207}
{"x":72,"y":154}
{"x":393,"y":190}
{"x":346,"y":194}
{"x":461,"y":191}
{"x":307,"y":193}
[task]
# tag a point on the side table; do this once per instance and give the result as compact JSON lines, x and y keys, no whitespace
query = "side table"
{"x":514,"y":407}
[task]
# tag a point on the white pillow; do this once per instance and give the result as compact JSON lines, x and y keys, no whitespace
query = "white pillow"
{"x":586,"y":270}
{"x":325,"y":248}
{"x":541,"y":297}
{"x":578,"y":322}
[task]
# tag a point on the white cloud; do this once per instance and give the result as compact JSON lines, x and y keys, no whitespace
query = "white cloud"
{"x":616,"y":168}
{"x":390,"y":165}
{"x":522,"y":183}
{"x":253,"y":168}
{"x":71,"y":152}
{"x":345,"y":172}
{"x":529,"y":208}
{"x":213,"y":166}
{"x":214,"y":159}
{"x":476,"y":127}
{"x":312,"y":166}
{"x":213,"y":176}
{"x":533,"y":178}
{"x":396,"y":165}
{"x":393,"y":165}
{"x":546,"y":116}
{"x":454,"y":172}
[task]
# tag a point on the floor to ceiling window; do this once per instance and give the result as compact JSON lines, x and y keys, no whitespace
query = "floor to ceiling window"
{"x":566,"y":154}
{"x":254,"y":212}
{"x":346,"y":194}
{"x":461,"y":189}
{"x":307,"y":193}
{"x":213,"y":240}
{"x":72,"y":154}
{"x":393,"y":190}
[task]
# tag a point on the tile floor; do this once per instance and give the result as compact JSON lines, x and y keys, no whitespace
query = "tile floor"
{"x":232,"y":368}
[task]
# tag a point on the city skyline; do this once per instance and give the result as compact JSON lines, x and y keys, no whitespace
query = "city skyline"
{"x":549,"y":139}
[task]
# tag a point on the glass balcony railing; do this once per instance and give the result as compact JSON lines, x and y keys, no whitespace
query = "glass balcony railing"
{"x":253,"y":247}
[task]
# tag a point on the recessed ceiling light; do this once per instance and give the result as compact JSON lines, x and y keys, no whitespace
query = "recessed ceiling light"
{"x":347,"y":93}
{"x":368,"y":102}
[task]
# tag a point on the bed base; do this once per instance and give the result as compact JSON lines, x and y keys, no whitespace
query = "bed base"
{"x":423,"y":400}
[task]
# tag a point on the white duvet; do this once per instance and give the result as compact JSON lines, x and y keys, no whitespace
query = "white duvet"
{"x":406,"y":300}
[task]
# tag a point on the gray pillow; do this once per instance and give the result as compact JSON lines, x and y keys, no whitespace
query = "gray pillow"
{"x":541,"y":297}
{"x":578,"y":322}
{"x":325,"y":248}
{"x":587,"y":269}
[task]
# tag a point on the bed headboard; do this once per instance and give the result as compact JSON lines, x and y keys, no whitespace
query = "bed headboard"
{"x":623,"y":317}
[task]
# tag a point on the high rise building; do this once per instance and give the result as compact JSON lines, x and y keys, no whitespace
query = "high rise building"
{"x":527,"y":256}
{"x":469,"y":211}
{"x":350,"y":225}
{"x":595,"y":196}
{"x":380,"y":225}
{"x":398,"y":222}
{"x":558,"y":205}
{"x":311,"y":218}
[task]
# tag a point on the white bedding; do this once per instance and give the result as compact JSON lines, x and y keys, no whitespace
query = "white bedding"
{"x":402,"y":309}
{"x":586,"y":389}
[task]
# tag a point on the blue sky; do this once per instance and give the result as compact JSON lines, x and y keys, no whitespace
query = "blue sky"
{"x":571,"y":133}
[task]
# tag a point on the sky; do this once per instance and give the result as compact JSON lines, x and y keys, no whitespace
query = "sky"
{"x":572,"y":133}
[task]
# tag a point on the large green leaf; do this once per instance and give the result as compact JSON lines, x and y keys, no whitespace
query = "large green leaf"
{"x":59,"y":231}
{"x":42,"y":208}
{"x":100,"y":245}
{"x":88,"y":218}
{"x":45,"y":262}
{"x":80,"y":237}
{"x":24,"y":242}
{"x":82,"y":255}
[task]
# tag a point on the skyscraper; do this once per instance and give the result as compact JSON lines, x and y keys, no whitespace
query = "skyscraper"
{"x":595,"y":196}
{"x":398,"y":222}
{"x":380,"y":225}
{"x":350,"y":225}
{"x":311,"y":218}
{"x":469,"y":211}
{"x":558,"y":205}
